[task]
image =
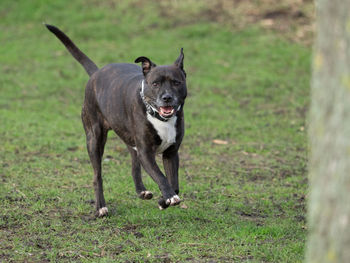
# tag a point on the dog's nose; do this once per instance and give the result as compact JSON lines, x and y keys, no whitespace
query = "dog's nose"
{"x":167,"y":98}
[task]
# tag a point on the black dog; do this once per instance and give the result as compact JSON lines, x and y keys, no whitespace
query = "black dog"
{"x":144,"y":106}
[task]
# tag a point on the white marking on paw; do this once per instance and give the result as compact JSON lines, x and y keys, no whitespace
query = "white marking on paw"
{"x":103,"y":211}
{"x":166,"y":131}
{"x":160,"y":207}
{"x":173,"y":200}
{"x":146,"y":194}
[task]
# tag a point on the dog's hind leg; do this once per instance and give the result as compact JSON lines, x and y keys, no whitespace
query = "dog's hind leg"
{"x":96,"y":137}
{"x":136,"y":175}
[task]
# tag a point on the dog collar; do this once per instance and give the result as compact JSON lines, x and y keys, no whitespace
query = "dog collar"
{"x":150,"y":109}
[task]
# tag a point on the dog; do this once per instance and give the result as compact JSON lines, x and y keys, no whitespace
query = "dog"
{"x":144,"y":107}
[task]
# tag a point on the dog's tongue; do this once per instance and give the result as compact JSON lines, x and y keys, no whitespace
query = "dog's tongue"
{"x":166,"y":110}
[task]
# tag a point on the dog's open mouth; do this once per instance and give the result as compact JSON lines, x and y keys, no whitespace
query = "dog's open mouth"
{"x":166,"y":111}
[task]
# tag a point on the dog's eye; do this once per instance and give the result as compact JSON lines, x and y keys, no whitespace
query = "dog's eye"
{"x":176,"y":83}
{"x":156,"y":84}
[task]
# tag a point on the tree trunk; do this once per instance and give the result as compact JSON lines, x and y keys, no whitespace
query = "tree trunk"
{"x":329,"y":133}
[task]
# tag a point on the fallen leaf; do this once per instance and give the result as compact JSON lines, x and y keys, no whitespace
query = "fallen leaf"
{"x":222,"y":142}
{"x":267,"y":22}
{"x":183,"y":206}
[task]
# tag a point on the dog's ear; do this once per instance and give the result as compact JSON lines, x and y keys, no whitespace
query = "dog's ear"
{"x":180,"y":61}
{"x":147,"y":64}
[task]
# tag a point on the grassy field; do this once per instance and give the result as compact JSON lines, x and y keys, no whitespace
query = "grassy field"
{"x":244,"y":196}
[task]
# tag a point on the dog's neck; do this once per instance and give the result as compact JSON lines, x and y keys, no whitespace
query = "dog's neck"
{"x":149,"y":108}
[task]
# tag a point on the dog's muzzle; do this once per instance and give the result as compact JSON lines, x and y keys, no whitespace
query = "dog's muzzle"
{"x":164,"y":113}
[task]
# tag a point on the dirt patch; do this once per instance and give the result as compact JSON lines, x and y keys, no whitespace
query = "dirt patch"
{"x":256,"y":214}
{"x":132,"y":229}
{"x":294,"y":19}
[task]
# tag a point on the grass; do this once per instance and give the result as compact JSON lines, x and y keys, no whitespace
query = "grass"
{"x":244,"y":201}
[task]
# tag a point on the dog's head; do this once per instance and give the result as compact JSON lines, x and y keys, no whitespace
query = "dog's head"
{"x":164,"y":86}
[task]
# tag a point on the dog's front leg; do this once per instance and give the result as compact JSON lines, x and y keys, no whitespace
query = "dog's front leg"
{"x":171,"y":167}
{"x":148,"y":162}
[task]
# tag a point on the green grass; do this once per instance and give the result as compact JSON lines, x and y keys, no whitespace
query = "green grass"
{"x":243,"y":201}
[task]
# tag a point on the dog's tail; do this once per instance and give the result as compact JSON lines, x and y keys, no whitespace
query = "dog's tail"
{"x":87,"y":63}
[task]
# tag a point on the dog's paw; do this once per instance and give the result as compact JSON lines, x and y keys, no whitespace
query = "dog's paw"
{"x":103,"y":211}
{"x":146,"y":195}
{"x":174,"y":200}
{"x":165,"y":203}
{"x":162,"y":205}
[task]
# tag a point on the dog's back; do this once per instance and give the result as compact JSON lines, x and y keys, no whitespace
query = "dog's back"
{"x":113,"y":89}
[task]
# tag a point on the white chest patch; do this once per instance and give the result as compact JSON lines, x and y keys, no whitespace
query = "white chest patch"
{"x":166,"y":131}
